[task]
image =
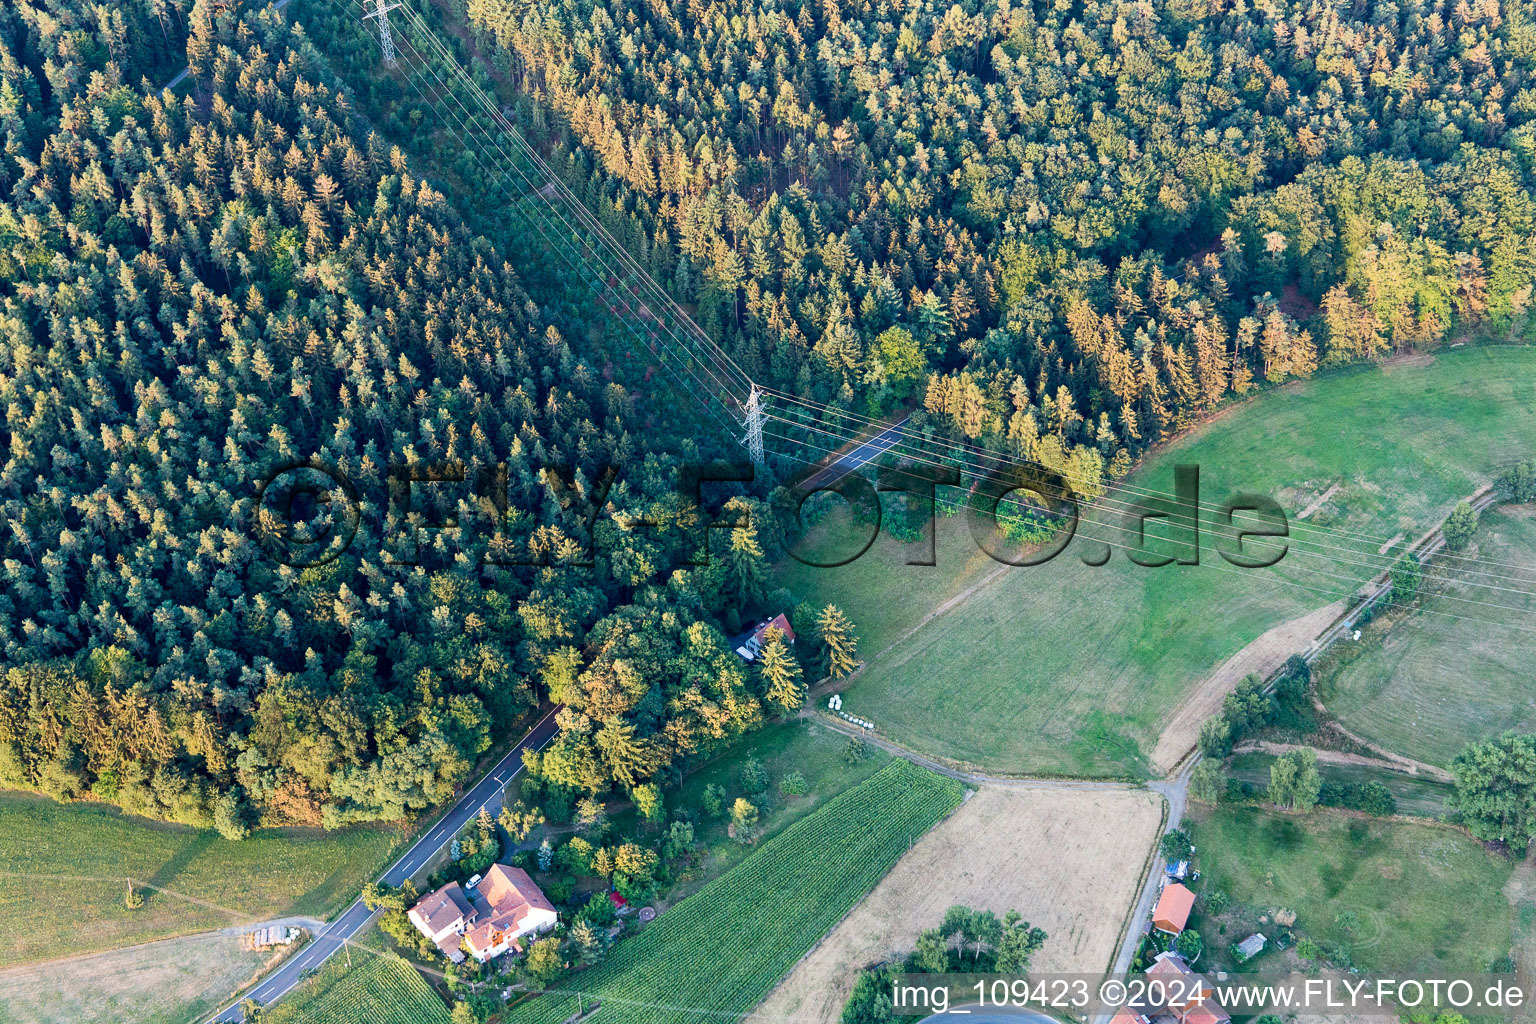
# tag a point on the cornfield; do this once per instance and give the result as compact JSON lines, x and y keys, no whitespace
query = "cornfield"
{"x":380,"y":990}
{"x":721,"y":950}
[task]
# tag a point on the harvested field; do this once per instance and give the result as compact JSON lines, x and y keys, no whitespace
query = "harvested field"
{"x":1069,"y":860}
{"x":167,"y":982}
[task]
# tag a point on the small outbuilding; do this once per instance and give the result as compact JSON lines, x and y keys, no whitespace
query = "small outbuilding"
{"x":1252,"y":946}
{"x":1173,"y":907}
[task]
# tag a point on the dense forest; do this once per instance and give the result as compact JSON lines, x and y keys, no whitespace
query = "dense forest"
{"x":1059,"y":230}
{"x":1050,"y":227}
{"x":204,"y":295}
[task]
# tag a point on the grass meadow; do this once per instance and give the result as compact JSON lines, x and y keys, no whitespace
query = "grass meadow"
{"x":1066,"y":668}
{"x":176,"y":981}
{"x":63,"y":871}
{"x":1457,"y":669}
{"x":1396,"y":896}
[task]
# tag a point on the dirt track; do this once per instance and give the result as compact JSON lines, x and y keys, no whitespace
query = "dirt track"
{"x":1387,"y":762}
{"x":1263,"y":656}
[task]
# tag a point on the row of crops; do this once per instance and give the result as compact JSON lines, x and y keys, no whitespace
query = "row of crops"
{"x":720,"y":951}
{"x":381,"y":989}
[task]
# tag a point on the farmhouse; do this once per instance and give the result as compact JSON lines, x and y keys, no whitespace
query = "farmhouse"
{"x":751,"y":642}
{"x":442,"y":917}
{"x":509,"y":905}
{"x":1172,"y":910}
{"x":1193,"y":1005}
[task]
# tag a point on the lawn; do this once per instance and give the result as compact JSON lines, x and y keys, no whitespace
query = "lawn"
{"x":1427,"y":685}
{"x":1399,"y":897}
{"x":1416,"y":797}
{"x":379,"y":989}
{"x":1069,"y":669}
{"x":718,"y":952}
{"x":63,"y":869}
{"x":807,"y":747}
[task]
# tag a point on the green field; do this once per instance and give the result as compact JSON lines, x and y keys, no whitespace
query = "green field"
{"x":799,"y":745}
{"x":380,"y":989}
{"x":1428,"y":685}
{"x":62,"y":871}
{"x":1416,"y":797}
{"x":1399,"y":896}
{"x":1064,"y":668}
{"x":748,"y":927}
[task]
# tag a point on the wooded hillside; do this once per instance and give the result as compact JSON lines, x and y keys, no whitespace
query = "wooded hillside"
{"x":199,"y":294}
{"x":1054,"y":226}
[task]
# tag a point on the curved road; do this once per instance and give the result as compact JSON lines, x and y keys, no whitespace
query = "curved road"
{"x":357,"y":917}
{"x":856,"y":458}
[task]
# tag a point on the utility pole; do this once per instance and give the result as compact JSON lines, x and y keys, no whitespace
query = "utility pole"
{"x":381,"y":11}
{"x":754,"y":424}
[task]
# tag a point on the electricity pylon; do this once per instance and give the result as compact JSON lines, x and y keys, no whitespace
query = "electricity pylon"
{"x":754,"y":423}
{"x":386,"y":39}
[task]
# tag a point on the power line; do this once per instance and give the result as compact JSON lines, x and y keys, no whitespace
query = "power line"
{"x":971,"y":455}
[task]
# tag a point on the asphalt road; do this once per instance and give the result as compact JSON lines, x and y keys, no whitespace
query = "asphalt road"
{"x":357,"y":917}
{"x":856,"y":458}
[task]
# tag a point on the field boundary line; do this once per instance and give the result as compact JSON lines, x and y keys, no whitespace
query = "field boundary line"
{"x":1132,"y":911}
{"x":752,"y":1013}
{"x":959,"y":774}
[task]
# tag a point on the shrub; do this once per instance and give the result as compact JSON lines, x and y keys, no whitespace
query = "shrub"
{"x":1519,"y":482}
{"x":559,"y":889}
{"x":1215,"y":737}
{"x":1176,"y":846}
{"x":598,"y":911}
{"x":1207,"y":782}
{"x":1459,"y":526}
{"x":794,"y":784}
{"x":1406,"y":576}
{"x":1370,"y":797}
{"x":754,"y":777}
{"x":744,"y":819}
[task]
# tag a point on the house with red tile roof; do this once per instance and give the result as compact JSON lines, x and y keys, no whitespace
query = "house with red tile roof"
{"x":1191,"y":995}
{"x":443,"y":917}
{"x":507,"y":906}
{"x":510,"y":907}
{"x":750,"y":643}
{"x":1173,"y":907}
